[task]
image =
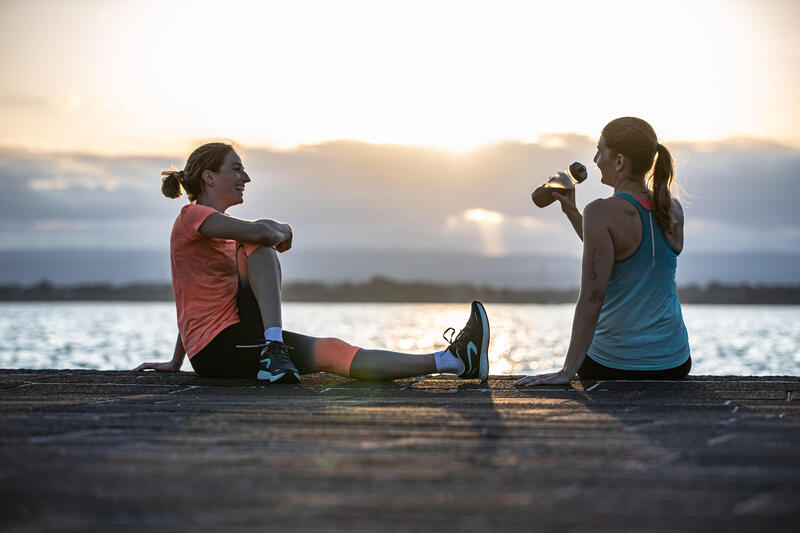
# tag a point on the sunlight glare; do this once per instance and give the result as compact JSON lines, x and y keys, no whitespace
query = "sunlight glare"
{"x":453,"y":75}
{"x":490,"y":229}
{"x":483,"y":216}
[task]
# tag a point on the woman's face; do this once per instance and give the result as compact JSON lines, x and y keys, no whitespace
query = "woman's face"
{"x":229,"y":180}
{"x":606,"y":161}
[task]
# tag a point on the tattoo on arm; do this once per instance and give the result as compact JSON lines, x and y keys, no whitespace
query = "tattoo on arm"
{"x":593,"y":265}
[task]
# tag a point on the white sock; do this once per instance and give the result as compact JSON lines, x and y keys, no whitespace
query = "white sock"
{"x":273,"y":334}
{"x":447,"y":363}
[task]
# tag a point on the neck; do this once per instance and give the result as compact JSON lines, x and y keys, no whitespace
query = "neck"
{"x":632,"y":187}
{"x":210,"y":201}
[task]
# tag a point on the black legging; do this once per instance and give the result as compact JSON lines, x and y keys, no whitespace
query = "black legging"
{"x":221,"y":358}
{"x":591,"y":369}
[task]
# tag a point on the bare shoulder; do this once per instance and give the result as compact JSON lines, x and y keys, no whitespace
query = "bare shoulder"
{"x":608,"y":209}
{"x":675,"y":234}
{"x":677,"y":210}
{"x":599,"y":207}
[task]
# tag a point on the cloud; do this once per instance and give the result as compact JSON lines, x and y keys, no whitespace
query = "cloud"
{"x":354,"y":195}
{"x":745,"y":184}
{"x":50,"y":224}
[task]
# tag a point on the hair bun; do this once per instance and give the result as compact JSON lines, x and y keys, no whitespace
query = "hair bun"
{"x":171,"y":181}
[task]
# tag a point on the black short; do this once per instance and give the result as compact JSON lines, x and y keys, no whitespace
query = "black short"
{"x":591,"y":369}
{"x":222,"y":359}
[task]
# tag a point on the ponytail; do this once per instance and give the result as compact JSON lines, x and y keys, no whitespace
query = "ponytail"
{"x":661,"y":182}
{"x":636,"y":140}
{"x":171,"y":183}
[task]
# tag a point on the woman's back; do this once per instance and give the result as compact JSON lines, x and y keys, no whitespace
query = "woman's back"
{"x":640,"y":325}
{"x":626,"y":229}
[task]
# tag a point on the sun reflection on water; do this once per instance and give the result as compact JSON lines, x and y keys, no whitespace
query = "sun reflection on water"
{"x":524,"y":338}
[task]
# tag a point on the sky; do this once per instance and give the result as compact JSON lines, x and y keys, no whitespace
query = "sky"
{"x":738,"y":196}
{"x":156,"y":76}
{"x":415,"y":125}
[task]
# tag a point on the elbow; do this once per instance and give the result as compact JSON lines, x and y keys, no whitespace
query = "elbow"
{"x":592,"y":301}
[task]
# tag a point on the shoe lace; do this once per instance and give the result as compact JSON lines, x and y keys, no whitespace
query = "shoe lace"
{"x":452,"y":331}
{"x":279,"y":351}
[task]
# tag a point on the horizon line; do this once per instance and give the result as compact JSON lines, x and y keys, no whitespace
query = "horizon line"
{"x":550,"y":140}
{"x":385,"y":250}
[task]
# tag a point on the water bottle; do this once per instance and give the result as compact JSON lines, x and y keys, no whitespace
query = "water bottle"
{"x":566,"y":179}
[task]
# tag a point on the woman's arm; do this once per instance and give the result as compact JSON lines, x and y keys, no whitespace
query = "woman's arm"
{"x":266,"y":232}
{"x":675,"y":235}
{"x":598,"y":260}
{"x":569,"y":208}
{"x":172,"y":366}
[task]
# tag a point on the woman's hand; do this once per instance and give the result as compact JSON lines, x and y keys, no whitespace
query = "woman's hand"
{"x":161,"y":367}
{"x":561,"y":377}
{"x":566,"y":198}
{"x":171,"y":366}
{"x":286,"y":243}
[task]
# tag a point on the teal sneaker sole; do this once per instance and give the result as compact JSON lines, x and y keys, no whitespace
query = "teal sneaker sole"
{"x":483,"y":369}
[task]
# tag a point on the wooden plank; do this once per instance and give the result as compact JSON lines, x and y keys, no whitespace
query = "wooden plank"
{"x":93,"y":451}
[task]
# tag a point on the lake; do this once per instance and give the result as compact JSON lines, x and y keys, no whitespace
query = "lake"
{"x":725,"y":339}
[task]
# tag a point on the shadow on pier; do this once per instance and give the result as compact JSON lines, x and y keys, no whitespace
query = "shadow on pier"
{"x":88,"y":450}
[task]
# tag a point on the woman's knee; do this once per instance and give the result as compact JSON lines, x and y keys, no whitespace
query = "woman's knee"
{"x":263,"y":257}
{"x":260,"y":253}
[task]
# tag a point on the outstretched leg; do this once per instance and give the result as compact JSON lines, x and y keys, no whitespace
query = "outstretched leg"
{"x":384,"y":365}
{"x":466,"y":356}
{"x":260,"y":279}
{"x":313,"y":354}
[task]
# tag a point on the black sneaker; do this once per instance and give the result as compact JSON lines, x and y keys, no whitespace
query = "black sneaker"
{"x":275,"y":365}
{"x":471,"y":345}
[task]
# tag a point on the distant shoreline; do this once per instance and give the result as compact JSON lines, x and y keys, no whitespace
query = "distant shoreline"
{"x":380,"y":289}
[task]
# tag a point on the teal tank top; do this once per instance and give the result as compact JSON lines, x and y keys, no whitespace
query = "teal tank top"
{"x":641,"y":326}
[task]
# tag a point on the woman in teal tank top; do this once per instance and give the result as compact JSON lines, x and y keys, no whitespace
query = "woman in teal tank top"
{"x":628,"y":322}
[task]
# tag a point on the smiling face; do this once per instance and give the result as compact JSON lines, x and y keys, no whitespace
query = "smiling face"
{"x":608,"y":162}
{"x":227,"y":184}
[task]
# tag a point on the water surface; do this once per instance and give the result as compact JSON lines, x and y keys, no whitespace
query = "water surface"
{"x":725,"y":339}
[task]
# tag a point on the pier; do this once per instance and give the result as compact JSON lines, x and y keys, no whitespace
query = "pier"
{"x":87,"y":450}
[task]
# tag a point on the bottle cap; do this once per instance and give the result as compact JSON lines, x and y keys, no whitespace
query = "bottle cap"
{"x":578,"y":171}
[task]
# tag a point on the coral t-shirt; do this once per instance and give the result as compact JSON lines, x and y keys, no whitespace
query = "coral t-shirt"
{"x":204,"y":279}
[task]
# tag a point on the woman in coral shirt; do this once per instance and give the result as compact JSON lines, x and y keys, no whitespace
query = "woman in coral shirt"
{"x":226,"y":277}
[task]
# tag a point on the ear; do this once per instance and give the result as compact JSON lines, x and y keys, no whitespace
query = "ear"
{"x":619,"y":162}
{"x":208,"y":178}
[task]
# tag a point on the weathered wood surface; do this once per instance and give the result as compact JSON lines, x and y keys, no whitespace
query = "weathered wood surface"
{"x":124,"y":451}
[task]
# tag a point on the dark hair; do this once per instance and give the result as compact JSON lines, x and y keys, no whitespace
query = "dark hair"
{"x":636,"y":140}
{"x":207,"y":157}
